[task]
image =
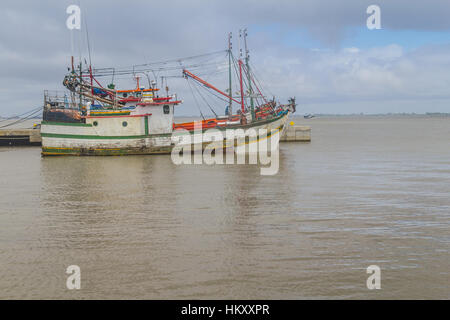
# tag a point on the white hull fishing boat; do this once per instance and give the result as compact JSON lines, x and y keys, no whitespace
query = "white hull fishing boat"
{"x":92,"y":119}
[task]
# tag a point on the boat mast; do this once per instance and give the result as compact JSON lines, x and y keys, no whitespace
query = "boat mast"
{"x":92,"y":83}
{"x":242,"y":89}
{"x":240,"y":73}
{"x":81,"y":84}
{"x":230,"y":108}
{"x":72,"y":94}
{"x":247,"y":58}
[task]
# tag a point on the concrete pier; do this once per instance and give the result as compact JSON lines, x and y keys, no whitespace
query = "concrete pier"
{"x":20,"y":137}
{"x":296,"y":133}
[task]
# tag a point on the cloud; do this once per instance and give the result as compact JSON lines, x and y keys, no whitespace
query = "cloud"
{"x":35,"y":48}
{"x":329,"y":79}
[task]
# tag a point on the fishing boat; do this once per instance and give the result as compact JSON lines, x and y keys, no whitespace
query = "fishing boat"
{"x":96,"y":119}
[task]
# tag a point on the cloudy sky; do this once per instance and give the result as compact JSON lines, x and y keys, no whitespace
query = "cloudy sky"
{"x":319,"y":51}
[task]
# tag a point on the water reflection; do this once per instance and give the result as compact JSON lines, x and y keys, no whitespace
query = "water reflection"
{"x":142,"y":227}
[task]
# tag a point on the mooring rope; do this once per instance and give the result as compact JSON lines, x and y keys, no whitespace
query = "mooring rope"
{"x":29,"y":116}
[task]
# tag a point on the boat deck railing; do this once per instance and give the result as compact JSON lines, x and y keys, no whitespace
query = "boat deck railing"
{"x":54,"y":99}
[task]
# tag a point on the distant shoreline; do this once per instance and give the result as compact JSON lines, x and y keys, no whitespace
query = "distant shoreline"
{"x":403,"y":114}
{"x":316,"y":115}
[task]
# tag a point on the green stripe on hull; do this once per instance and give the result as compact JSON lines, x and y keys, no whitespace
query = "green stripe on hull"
{"x":146,"y":124}
{"x":76,"y":136}
{"x":79,"y":136}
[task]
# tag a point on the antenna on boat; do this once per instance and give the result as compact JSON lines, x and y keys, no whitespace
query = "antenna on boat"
{"x":239,"y":44}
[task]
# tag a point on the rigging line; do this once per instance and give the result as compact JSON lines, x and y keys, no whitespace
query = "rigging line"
{"x":22,"y":119}
{"x":196,"y":102}
{"x":180,"y":59}
{"x":20,"y":115}
{"x":108,"y":72}
{"x":203,"y":98}
{"x":146,"y":70}
{"x":264,"y":98}
{"x":238,"y":77}
{"x":235,"y":68}
{"x":87,"y":40}
{"x":205,"y":101}
{"x":214,"y":72}
{"x":207,"y":63}
{"x":211,"y":92}
{"x":214,"y":102}
{"x":260,"y":82}
{"x":252,"y":77}
{"x":258,"y":85}
{"x":140,"y":67}
{"x":216,"y":95}
{"x":235,"y":65}
{"x":79,"y":38}
{"x":245,"y":80}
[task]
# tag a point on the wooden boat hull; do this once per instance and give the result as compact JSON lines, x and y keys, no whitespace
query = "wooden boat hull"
{"x":110,"y":136}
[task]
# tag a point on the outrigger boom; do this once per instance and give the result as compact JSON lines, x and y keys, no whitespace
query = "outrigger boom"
{"x":186,"y":73}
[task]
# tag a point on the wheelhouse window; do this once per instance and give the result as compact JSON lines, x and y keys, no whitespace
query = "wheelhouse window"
{"x":166,"y":109}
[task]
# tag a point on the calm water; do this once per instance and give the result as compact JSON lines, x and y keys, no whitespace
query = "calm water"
{"x":364,"y":191}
